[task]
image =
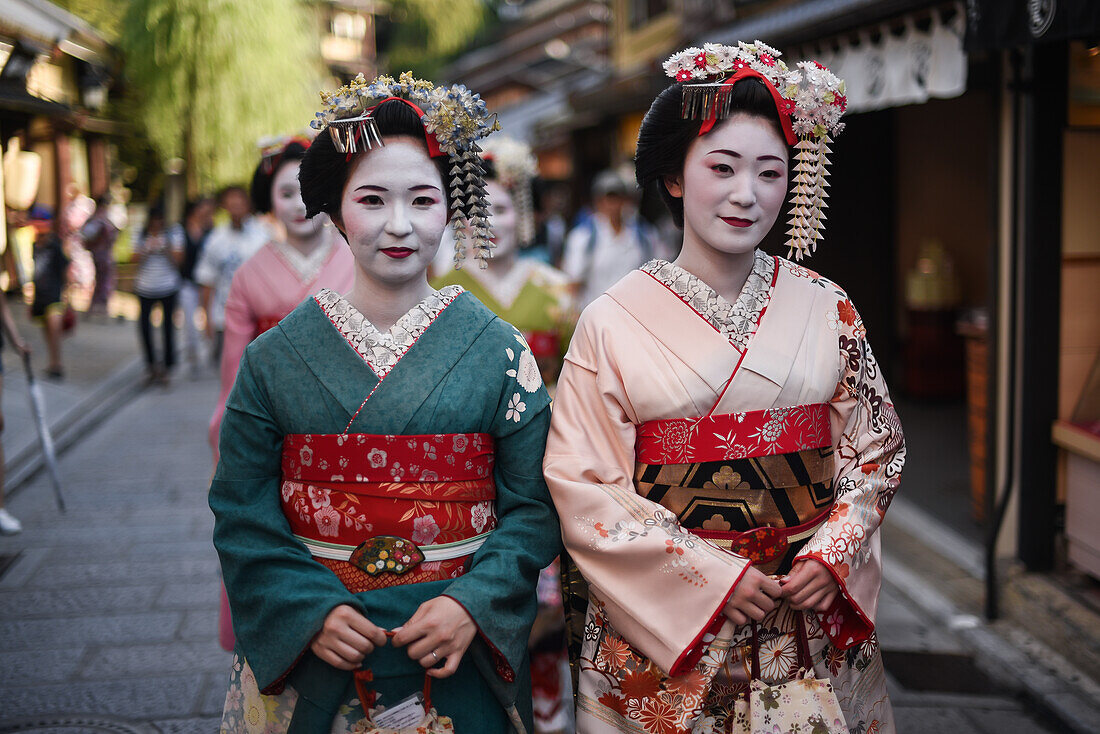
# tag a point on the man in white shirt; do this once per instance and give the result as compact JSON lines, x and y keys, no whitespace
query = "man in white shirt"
{"x":610,"y":243}
{"x":226,"y":248}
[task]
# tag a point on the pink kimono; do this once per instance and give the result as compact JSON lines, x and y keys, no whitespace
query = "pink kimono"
{"x":692,"y":437}
{"x":267,"y":287}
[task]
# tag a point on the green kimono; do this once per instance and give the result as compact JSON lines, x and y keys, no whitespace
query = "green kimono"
{"x":541,"y":307}
{"x":448,"y":367}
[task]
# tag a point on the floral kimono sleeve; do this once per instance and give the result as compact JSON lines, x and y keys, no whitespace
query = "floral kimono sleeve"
{"x":662,"y":588}
{"x":869,"y":455}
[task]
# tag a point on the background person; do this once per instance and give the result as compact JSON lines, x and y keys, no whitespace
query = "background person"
{"x":610,"y":242}
{"x":9,"y":525}
{"x":48,"y":307}
{"x":227,"y":247}
{"x":198,"y":221}
{"x":98,"y":237}
{"x":158,"y":253}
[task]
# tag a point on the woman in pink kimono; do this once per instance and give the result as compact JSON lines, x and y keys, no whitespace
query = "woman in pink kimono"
{"x":723,"y":447}
{"x":271,"y":283}
{"x":282,"y":273}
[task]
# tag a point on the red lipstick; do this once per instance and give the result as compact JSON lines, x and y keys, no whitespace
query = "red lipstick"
{"x":397,"y":253}
{"x":737,"y":221}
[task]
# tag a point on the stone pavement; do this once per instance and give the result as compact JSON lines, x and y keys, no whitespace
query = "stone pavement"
{"x":111,"y":609}
{"x":109,"y":612}
{"x":102,"y":369}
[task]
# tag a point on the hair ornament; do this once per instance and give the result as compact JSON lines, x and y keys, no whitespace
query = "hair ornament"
{"x":454,"y":119}
{"x":516,"y":168}
{"x":272,"y":149}
{"x":810,"y":100}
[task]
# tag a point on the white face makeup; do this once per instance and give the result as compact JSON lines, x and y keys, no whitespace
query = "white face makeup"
{"x":287,"y":204}
{"x":394,"y":210}
{"x":733,"y":185}
{"x":503,"y":219}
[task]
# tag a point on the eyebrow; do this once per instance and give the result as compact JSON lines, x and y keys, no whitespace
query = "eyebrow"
{"x":421,"y":187}
{"x":735,"y":154}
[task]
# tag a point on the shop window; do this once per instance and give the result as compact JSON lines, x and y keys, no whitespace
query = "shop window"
{"x":641,"y":12}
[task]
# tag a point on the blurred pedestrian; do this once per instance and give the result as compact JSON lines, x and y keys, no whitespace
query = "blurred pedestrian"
{"x":8,"y":523}
{"x":227,"y":247}
{"x":98,"y":236}
{"x":198,"y":221}
{"x":74,"y":214}
{"x":51,"y":268}
{"x":158,"y":253}
{"x":610,"y":242}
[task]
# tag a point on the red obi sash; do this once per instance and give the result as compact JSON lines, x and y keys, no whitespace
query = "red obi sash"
{"x":544,"y":344}
{"x":388,"y":510}
{"x":734,"y":435}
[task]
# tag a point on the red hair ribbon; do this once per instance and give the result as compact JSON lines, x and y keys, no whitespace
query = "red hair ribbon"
{"x":783,"y":105}
{"x":433,"y":144}
{"x":274,"y":160}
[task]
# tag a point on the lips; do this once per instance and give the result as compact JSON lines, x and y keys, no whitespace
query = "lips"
{"x":737,"y":221}
{"x":397,"y":253}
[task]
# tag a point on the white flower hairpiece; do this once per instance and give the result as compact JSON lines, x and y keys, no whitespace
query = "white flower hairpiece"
{"x":454,"y":119}
{"x":516,"y":168}
{"x":810,"y":100}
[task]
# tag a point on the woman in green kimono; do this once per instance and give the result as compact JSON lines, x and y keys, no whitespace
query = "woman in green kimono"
{"x":529,"y":294}
{"x":381,"y":515}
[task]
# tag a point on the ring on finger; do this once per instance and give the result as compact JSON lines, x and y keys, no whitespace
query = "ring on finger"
{"x":435,"y":657}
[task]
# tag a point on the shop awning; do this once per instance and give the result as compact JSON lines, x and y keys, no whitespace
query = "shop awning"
{"x":806,"y":21}
{"x":1008,"y":23}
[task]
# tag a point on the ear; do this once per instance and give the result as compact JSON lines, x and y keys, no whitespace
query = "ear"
{"x":339,"y":224}
{"x":674,"y":185}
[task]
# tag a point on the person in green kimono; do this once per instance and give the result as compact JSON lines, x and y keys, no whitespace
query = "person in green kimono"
{"x":533,"y":296}
{"x":380,"y":511}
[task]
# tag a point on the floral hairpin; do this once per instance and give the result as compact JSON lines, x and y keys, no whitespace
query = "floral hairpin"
{"x":454,"y":119}
{"x":516,"y":168}
{"x":810,"y":101}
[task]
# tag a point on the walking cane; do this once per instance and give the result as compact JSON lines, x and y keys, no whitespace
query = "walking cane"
{"x":38,"y":409}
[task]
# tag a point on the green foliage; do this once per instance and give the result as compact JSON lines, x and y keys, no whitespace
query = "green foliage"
{"x":422,"y":38}
{"x":215,"y":76}
{"x":103,"y":15}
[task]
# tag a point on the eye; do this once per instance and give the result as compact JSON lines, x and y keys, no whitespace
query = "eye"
{"x":423,"y":201}
{"x":371,"y":200}
{"x":722,"y":169}
{"x":771,"y":174}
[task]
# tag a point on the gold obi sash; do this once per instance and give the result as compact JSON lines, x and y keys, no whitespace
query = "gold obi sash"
{"x":388,"y":510}
{"x":758,"y":484}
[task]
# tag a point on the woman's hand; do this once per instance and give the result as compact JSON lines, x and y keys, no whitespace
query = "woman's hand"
{"x":752,"y":598}
{"x":346,"y":638}
{"x":441,"y":629}
{"x":810,"y":587}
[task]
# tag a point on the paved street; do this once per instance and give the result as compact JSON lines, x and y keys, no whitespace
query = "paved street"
{"x":112,"y":608}
{"x":109,"y":611}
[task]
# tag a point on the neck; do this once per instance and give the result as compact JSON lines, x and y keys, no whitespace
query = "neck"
{"x":308,"y":244}
{"x":615,"y":220}
{"x":500,"y":266}
{"x":725,"y":272}
{"x":384,"y":303}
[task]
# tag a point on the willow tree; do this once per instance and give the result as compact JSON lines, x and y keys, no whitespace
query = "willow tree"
{"x":215,"y":76}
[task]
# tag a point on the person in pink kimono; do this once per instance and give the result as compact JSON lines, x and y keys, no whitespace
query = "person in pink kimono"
{"x":282,"y":273}
{"x":278,"y":277}
{"x":723,"y":447}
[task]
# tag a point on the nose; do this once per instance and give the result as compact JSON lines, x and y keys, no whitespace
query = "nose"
{"x":743,"y":193}
{"x":398,"y":224}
